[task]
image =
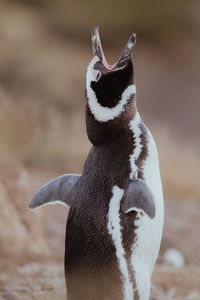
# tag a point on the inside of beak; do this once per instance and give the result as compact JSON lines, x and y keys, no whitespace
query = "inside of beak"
{"x":98,"y":50}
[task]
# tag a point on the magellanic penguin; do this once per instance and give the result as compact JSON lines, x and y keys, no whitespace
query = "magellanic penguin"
{"x":115,"y":220}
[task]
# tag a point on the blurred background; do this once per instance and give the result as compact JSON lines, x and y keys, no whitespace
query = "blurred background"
{"x":45,"y":48}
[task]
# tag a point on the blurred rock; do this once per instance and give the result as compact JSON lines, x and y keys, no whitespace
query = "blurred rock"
{"x":174,"y":258}
{"x":10,"y":296}
{"x":193,"y":295}
{"x":30,"y":268}
{"x":20,"y":229}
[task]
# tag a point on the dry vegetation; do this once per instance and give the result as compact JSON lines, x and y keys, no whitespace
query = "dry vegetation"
{"x":43,"y":58}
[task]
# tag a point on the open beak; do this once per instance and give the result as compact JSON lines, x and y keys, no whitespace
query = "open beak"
{"x":98,"y":51}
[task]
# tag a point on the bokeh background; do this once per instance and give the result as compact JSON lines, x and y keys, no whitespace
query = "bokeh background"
{"x":44,"y":51}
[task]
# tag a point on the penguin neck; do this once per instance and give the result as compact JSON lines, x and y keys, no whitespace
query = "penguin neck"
{"x":122,"y":154}
{"x":113,"y":131}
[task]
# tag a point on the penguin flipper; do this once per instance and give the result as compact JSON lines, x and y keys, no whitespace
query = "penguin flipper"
{"x":138,"y":197}
{"x":57,"y":190}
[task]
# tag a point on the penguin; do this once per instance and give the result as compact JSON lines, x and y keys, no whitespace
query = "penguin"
{"x":115,"y":221}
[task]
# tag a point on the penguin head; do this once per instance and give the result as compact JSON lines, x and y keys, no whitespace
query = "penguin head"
{"x":109,"y":88}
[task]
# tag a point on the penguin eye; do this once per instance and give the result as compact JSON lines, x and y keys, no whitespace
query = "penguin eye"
{"x":98,"y":75}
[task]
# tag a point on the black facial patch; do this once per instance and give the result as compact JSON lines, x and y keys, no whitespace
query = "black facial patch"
{"x":111,"y":85}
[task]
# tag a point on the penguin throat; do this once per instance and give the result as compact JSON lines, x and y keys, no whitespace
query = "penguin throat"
{"x":104,"y":114}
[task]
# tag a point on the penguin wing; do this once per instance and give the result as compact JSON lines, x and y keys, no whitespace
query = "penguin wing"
{"x":58,"y":190}
{"x":138,"y":197}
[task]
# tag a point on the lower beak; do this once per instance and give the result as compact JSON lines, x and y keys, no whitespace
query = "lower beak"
{"x":126,"y":54}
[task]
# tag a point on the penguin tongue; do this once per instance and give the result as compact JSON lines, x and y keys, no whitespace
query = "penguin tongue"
{"x":98,"y":51}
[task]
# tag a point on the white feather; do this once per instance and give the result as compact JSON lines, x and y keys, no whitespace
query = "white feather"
{"x":114,"y":228}
{"x":134,"y":126}
{"x":52,"y":203}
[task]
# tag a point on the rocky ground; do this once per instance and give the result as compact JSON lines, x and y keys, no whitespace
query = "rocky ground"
{"x":43,"y":281}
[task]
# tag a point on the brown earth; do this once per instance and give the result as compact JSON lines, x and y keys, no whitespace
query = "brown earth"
{"x":46,"y":281}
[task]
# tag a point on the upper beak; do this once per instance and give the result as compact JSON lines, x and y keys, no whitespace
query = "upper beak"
{"x":98,"y":51}
{"x":96,"y":44}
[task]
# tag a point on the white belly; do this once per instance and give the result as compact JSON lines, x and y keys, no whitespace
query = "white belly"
{"x":148,"y":232}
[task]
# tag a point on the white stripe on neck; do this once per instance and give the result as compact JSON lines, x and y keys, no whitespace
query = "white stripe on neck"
{"x":101,"y":113}
{"x":134,"y":126}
